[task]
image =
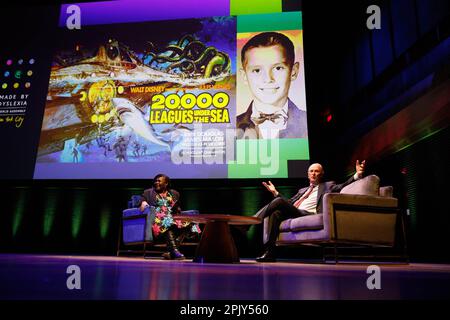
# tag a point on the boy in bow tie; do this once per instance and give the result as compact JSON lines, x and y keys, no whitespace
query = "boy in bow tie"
{"x":268,"y":68}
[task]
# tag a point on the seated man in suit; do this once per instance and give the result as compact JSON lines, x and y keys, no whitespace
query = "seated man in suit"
{"x":167,"y":203}
{"x":307,"y":201}
{"x":269,"y":67}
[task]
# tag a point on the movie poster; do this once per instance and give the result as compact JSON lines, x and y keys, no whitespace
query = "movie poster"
{"x":157,"y":95}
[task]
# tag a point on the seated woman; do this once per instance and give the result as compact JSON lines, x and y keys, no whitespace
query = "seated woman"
{"x":166,"y":202}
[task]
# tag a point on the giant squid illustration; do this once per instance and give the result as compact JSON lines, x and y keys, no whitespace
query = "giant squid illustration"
{"x":191,"y":58}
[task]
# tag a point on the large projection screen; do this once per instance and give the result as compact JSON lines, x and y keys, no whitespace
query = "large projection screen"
{"x":132,"y":97}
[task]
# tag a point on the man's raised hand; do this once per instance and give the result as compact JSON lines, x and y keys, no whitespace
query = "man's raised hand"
{"x":360,"y":166}
{"x":269,"y":186}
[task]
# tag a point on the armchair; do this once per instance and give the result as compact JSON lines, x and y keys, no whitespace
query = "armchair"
{"x":135,"y":227}
{"x":361,"y":214}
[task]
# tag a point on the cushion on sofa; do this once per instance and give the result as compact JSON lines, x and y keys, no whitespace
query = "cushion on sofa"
{"x":366,"y":186}
{"x":311,"y":222}
{"x":387,"y":191}
{"x":135,"y":200}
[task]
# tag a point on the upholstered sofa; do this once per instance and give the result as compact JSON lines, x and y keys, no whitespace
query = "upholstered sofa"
{"x":362,"y":213}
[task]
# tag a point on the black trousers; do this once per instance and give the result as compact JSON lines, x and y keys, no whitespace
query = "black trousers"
{"x":278,"y":210}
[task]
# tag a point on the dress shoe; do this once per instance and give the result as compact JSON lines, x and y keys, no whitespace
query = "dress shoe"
{"x":268,"y":256}
{"x":173,"y":255}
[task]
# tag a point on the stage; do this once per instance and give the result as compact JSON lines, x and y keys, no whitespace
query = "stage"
{"x":46,"y":277}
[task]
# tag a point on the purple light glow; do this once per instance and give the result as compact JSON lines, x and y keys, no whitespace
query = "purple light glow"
{"x":108,"y":12}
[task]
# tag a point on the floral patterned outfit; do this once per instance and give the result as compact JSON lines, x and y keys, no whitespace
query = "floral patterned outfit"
{"x":164,"y":219}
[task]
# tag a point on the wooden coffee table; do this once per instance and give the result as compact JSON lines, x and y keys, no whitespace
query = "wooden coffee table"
{"x":216,"y":244}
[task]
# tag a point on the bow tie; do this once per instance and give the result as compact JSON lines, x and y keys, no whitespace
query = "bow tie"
{"x":268,"y":116}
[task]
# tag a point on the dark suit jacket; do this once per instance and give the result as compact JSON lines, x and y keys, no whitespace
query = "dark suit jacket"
{"x":296,"y":126}
{"x":324,"y":187}
{"x":150,"y":196}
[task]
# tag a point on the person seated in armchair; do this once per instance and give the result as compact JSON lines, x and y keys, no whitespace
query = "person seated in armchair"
{"x":167,"y":203}
{"x":306,"y":201}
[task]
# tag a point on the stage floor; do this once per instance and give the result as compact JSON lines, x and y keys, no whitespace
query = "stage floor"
{"x":45,"y":277}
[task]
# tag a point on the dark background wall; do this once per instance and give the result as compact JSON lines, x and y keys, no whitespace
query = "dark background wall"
{"x":364,"y":79}
{"x":361,"y":78}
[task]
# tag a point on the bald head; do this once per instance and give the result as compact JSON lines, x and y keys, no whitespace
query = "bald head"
{"x":315,"y":173}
